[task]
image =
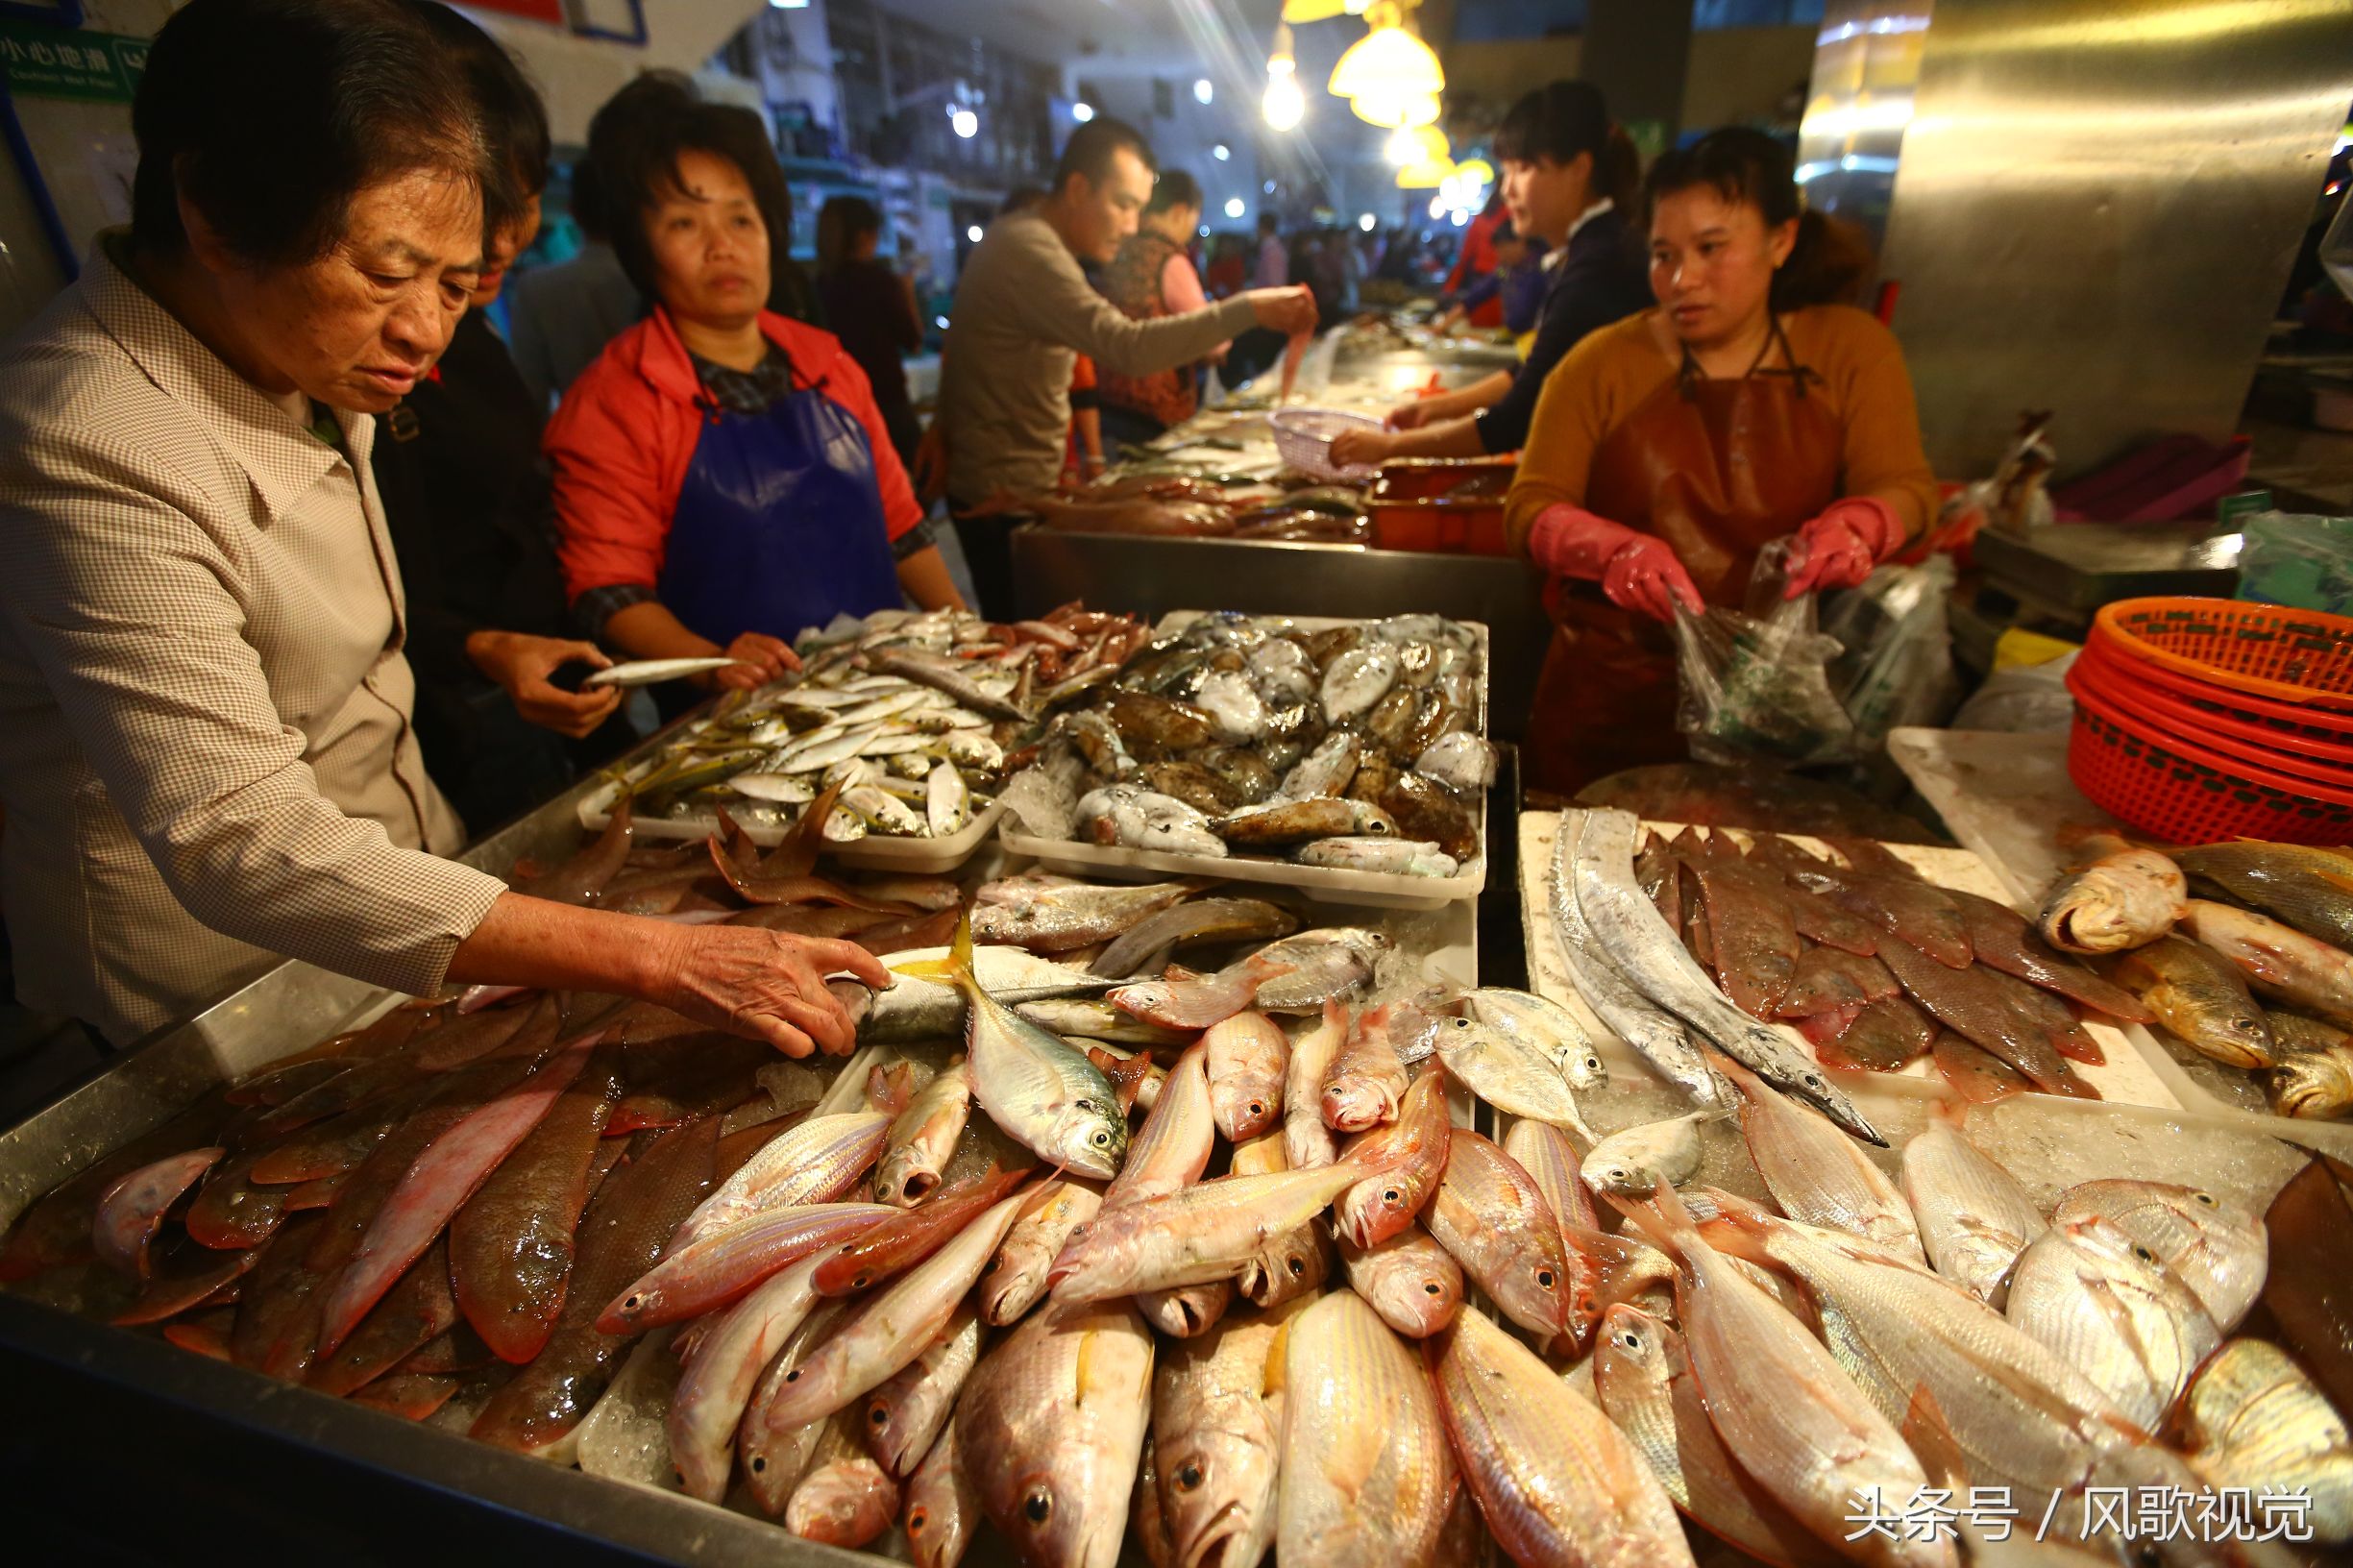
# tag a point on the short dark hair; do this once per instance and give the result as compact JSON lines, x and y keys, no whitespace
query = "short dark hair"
{"x":1748,"y":167}
{"x":1093,"y":146}
{"x":514,"y":118}
{"x":1173,"y":190}
{"x":271,"y":115}
{"x":635,"y":142}
{"x":840,"y":223}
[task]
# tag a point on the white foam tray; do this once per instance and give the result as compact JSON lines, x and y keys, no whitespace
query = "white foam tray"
{"x":875,"y":852}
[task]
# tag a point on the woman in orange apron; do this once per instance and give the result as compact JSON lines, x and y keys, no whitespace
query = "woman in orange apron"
{"x":1671,"y":445}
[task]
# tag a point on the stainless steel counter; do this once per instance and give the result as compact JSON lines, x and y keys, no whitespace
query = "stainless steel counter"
{"x":1150,"y":577}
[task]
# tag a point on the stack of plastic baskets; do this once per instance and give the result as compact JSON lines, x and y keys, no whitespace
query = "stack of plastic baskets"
{"x":2206,"y":719}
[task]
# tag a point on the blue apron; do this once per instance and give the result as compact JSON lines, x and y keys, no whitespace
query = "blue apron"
{"x":779,"y":523}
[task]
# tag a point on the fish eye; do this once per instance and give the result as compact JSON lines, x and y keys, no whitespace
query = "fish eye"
{"x":1298,"y":1267}
{"x":1432,"y":1288}
{"x":2143,"y":1252}
{"x":1460,"y":1023}
{"x":1086,"y":1105}
{"x":1189,"y":1478}
{"x":918,"y":1518}
{"x":792,"y":1376}
{"x":1631,"y":1339}
{"x":1039,"y":1505}
{"x":2205,"y":1200}
{"x":880,"y":1416}
{"x":1544,"y":1277}
{"x":1594,"y":1062}
{"x":1257,"y":1108}
{"x":860,"y":1283}
{"x":1102,"y":1138}
{"x":1392,"y":1195}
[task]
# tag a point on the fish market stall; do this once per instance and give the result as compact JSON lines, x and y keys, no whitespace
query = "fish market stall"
{"x":1015,"y":1275}
{"x":1213,"y":512}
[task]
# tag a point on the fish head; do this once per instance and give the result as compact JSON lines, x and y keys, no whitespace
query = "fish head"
{"x":1053,"y":1512}
{"x":2311,"y":1084}
{"x":1217,"y":1492}
{"x":1374,"y":1210}
{"x":1632,"y":1344}
{"x":1427,"y":1292}
{"x":1246,"y":1104}
{"x":846,"y":1505}
{"x":1292,"y":1266}
{"x":1090,"y":1136}
{"x":1370,"y":821}
{"x":2219,"y":1250}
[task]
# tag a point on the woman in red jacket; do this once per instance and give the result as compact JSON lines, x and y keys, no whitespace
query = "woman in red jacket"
{"x":722,"y":476}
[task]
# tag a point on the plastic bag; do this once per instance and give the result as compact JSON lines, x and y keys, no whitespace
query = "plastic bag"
{"x":1896,"y":667}
{"x":1756,"y":684}
{"x":2301,"y":561}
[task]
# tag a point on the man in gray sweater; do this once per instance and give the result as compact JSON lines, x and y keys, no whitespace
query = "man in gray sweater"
{"x":1024,"y":312}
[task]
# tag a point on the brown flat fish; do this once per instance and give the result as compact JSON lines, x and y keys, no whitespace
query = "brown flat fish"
{"x":685,"y":1078}
{"x":2001,"y":937}
{"x":1914,"y":910}
{"x":416,"y":1309}
{"x":1655,"y":874}
{"x":1884,"y":1035}
{"x":187,"y":1276}
{"x":1974,"y":1073}
{"x":1754,"y":934}
{"x":1972,"y":1001}
{"x":1823,"y":1028}
{"x":234,"y":1211}
{"x":278,"y":1301}
{"x":1829,"y":978}
{"x":334,"y":1147}
{"x":629,"y":1221}
{"x":511,"y":1243}
{"x":2056,"y":1020}
{"x":581,"y":879}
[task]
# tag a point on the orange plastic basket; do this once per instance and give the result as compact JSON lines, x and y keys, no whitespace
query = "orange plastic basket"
{"x":2266,"y":650}
{"x":2248,"y":713}
{"x":2160,"y":717}
{"x":2183,"y":792}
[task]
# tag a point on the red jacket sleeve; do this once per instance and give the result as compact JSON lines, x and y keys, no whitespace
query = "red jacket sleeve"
{"x":612,"y":503}
{"x":847,"y":384}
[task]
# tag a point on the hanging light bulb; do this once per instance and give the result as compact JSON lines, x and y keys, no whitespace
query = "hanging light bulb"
{"x":1284,"y":105}
{"x":1426,"y":176}
{"x":1393,"y":110}
{"x":1390,"y":59}
{"x":1401,"y":148}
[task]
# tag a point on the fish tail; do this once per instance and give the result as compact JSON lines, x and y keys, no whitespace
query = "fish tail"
{"x":1662,"y":1219}
{"x":960,"y":953}
{"x":1731,"y":1224}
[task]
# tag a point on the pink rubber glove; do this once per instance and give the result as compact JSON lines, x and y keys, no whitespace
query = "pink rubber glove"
{"x":1638,"y":571}
{"x":1838,"y":548}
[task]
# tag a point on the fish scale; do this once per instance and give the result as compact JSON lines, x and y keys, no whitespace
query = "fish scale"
{"x":1367,"y":1474}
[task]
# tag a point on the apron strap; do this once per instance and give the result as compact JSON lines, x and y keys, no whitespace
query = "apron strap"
{"x":1688,"y":374}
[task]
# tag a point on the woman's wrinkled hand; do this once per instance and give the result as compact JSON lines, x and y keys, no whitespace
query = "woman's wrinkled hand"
{"x":1359,"y":446}
{"x":766,"y":985}
{"x":520,"y":665}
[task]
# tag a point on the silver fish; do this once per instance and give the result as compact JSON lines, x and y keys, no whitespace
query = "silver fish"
{"x":970,"y":749}
{"x":1655,"y":1034}
{"x":1975,"y":1220}
{"x":947,"y":803}
{"x":1635,"y":1160}
{"x":1502,"y":1070}
{"x":1782,"y":1402}
{"x":652,"y":672}
{"x":2108,"y":1305}
{"x":1042,"y":1094}
{"x":883,"y":811}
{"x":1544,"y":1026}
{"x":2222,"y":1253}
{"x":1367,"y":1474}
{"x":944,"y":674}
{"x":1051,"y":1427}
{"x":1635,"y":939}
{"x":778,"y":788}
{"x":1053,"y":915}
{"x":1815,"y":1173}
{"x":1324,"y":962}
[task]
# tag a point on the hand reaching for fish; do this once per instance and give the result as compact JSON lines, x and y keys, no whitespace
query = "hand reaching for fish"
{"x":520,"y":665}
{"x":767,"y":985}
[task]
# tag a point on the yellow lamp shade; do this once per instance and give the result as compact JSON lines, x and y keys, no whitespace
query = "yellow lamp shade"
{"x":1313,"y":10}
{"x":1425,"y":176}
{"x":1387,"y":61}
{"x":1395,"y":109}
